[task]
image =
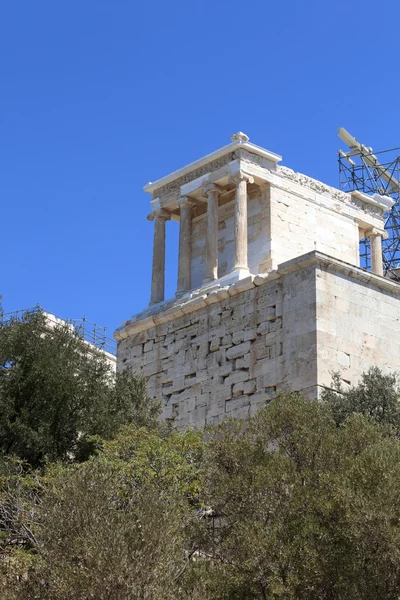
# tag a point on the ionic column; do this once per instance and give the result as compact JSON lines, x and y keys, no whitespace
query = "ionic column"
{"x":158,"y":275}
{"x":212,"y":191}
{"x":185,"y":246}
{"x":240,"y":227}
{"x":375,"y":236}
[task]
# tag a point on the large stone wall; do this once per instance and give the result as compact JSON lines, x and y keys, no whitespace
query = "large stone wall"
{"x":229,"y":357}
{"x":358,"y":322}
{"x":302,"y":221}
{"x":228,"y":353}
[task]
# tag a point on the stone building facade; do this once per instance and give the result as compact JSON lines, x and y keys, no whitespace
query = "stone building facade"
{"x":270,"y":294}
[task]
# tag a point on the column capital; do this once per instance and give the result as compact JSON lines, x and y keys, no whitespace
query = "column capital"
{"x":264,"y":185}
{"x":241,"y":176}
{"x":374,"y":232}
{"x":212,"y":187}
{"x":186,"y":201}
{"x":160,"y":213}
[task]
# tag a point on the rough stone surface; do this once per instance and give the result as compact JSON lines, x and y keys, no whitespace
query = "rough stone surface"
{"x":229,"y":358}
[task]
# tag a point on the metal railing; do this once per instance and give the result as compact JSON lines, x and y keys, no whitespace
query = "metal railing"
{"x":90,"y":332}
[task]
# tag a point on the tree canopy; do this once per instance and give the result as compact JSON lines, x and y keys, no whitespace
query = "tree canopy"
{"x":117,"y":525}
{"x":287,"y":506}
{"x":56,"y":390}
{"x":98,"y":501}
{"x":306,"y":510}
{"x":377,"y":396}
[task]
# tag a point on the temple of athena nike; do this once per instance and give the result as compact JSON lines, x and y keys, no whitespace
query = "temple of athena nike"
{"x":270,"y":294}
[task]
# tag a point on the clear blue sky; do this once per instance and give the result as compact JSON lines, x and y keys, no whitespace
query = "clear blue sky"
{"x":98,"y":98}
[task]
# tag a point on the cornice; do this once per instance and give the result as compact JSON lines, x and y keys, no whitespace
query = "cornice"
{"x":200,"y":298}
{"x":384,"y":203}
{"x":152,"y":187}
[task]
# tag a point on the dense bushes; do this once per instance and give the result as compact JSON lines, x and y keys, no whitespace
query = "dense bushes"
{"x":300,"y":503}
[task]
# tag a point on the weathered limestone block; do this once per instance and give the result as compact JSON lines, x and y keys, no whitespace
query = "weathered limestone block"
{"x":237,"y":376}
{"x":237,"y":403}
{"x":226,"y":368}
{"x":237,"y":336}
{"x":237,"y":389}
{"x":202,"y":400}
{"x":227,"y":340}
{"x":237,"y":351}
{"x":243,"y":362}
{"x":249,"y":387}
{"x":214,"y":344}
{"x":249,"y":334}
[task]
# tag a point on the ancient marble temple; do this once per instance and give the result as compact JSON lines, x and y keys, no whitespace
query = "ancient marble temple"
{"x":270,"y":294}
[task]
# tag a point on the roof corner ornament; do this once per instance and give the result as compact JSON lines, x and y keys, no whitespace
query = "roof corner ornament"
{"x":240,"y":137}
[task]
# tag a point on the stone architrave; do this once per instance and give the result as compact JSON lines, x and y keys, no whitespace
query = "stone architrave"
{"x":375,"y":236}
{"x":185,"y":246}
{"x":158,"y":274}
{"x":212,"y":191}
{"x":240,"y":228}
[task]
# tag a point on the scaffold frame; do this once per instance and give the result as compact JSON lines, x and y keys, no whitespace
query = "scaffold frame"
{"x":375,"y":173}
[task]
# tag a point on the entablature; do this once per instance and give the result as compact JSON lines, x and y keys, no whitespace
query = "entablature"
{"x":367,"y":211}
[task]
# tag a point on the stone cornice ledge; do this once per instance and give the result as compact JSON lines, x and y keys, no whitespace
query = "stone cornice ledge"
{"x":334,"y":264}
{"x":385,"y":203}
{"x":236,"y":145}
{"x":169,"y":312}
{"x":313,"y":184}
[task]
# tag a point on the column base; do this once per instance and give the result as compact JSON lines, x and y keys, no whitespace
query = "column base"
{"x":215,"y":284}
{"x":235,"y":275}
{"x":155,"y":303}
{"x":241,"y":269}
{"x":267,"y":265}
{"x":181,"y":293}
{"x":208,"y":280}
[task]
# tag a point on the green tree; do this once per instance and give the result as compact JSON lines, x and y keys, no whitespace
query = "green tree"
{"x":377,"y":396}
{"x":302,"y":509}
{"x":20,"y":493}
{"x":56,"y":391}
{"x":288,"y":506}
{"x":117,"y":526}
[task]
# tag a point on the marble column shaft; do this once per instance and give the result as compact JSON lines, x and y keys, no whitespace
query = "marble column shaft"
{"x":240,"y":222}
{"x":212,"y":191}
{"x":185,"y":246}
{"x":158,"y":275}
{"x":375,"y":238}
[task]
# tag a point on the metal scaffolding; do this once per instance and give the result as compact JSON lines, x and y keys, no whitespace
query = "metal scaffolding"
{"x":374,"y":173}
{"x":90,"y":332}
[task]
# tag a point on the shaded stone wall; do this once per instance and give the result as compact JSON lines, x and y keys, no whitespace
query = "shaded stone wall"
{"x":358,"y":323}
{"x":228,"y":353}
{"x":229,"y":358}
{"x":301,"y":224}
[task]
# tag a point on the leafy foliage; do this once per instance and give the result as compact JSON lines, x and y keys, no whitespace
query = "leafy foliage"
{"x":376,"y":396}
{"x":299,"y":503}
{"x":117,"y":525}
{"x":56,"y":391}
{"x":303,"y":509}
